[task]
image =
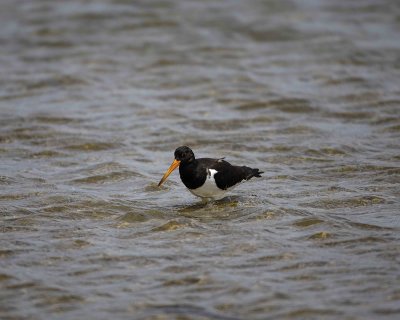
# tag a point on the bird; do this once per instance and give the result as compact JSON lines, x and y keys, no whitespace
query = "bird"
{"x":207,"y":178}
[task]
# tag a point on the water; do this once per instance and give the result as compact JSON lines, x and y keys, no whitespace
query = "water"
{"x":96,"y":95}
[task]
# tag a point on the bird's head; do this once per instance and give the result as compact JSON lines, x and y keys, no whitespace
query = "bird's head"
{"x":182,"y":155}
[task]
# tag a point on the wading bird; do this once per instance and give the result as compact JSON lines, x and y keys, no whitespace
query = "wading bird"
{"x":208,"y":178}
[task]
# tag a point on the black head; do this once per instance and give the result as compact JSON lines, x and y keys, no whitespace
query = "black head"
{"x":184,"y":154}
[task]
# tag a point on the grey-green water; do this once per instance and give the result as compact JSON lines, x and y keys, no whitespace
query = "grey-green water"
{"x":96,"y":95}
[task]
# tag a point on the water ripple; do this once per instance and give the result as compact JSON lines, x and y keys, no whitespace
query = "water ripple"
{"x":98,"y":95}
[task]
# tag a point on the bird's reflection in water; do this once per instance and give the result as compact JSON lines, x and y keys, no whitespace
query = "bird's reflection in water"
{"x":226,"y":208}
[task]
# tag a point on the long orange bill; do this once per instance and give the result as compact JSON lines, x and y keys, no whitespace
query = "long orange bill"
{"x":172,"y":167}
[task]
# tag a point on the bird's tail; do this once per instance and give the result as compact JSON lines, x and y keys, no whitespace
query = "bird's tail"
{"x":253,"y":173}
{"x":257,"y":173}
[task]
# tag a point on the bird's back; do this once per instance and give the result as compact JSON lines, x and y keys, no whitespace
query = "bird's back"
{"x":228,"y":175}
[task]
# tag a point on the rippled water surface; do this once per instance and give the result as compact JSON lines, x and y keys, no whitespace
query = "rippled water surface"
{"x":96,"y":95}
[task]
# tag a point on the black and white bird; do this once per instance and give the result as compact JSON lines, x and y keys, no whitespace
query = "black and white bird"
{"x":208,"y":178}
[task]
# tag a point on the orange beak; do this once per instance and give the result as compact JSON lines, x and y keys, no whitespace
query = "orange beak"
{"x":172,"y":167}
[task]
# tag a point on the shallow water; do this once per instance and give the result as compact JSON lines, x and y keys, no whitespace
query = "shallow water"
{"x":96,"y":95}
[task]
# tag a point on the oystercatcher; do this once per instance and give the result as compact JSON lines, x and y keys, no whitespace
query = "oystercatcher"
{"x":208,"y":178}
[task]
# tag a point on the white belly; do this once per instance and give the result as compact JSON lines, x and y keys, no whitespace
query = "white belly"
{"x":209,"y":189}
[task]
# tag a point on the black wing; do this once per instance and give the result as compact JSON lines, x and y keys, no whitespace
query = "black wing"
{"x":228,"y":175}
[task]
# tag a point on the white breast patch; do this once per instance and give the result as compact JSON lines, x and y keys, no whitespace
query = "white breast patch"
{"x":209,"y":189}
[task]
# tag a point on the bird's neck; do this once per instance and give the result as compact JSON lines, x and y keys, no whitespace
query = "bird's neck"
{"x":188,"y":164}
{"x":190,"y":175}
